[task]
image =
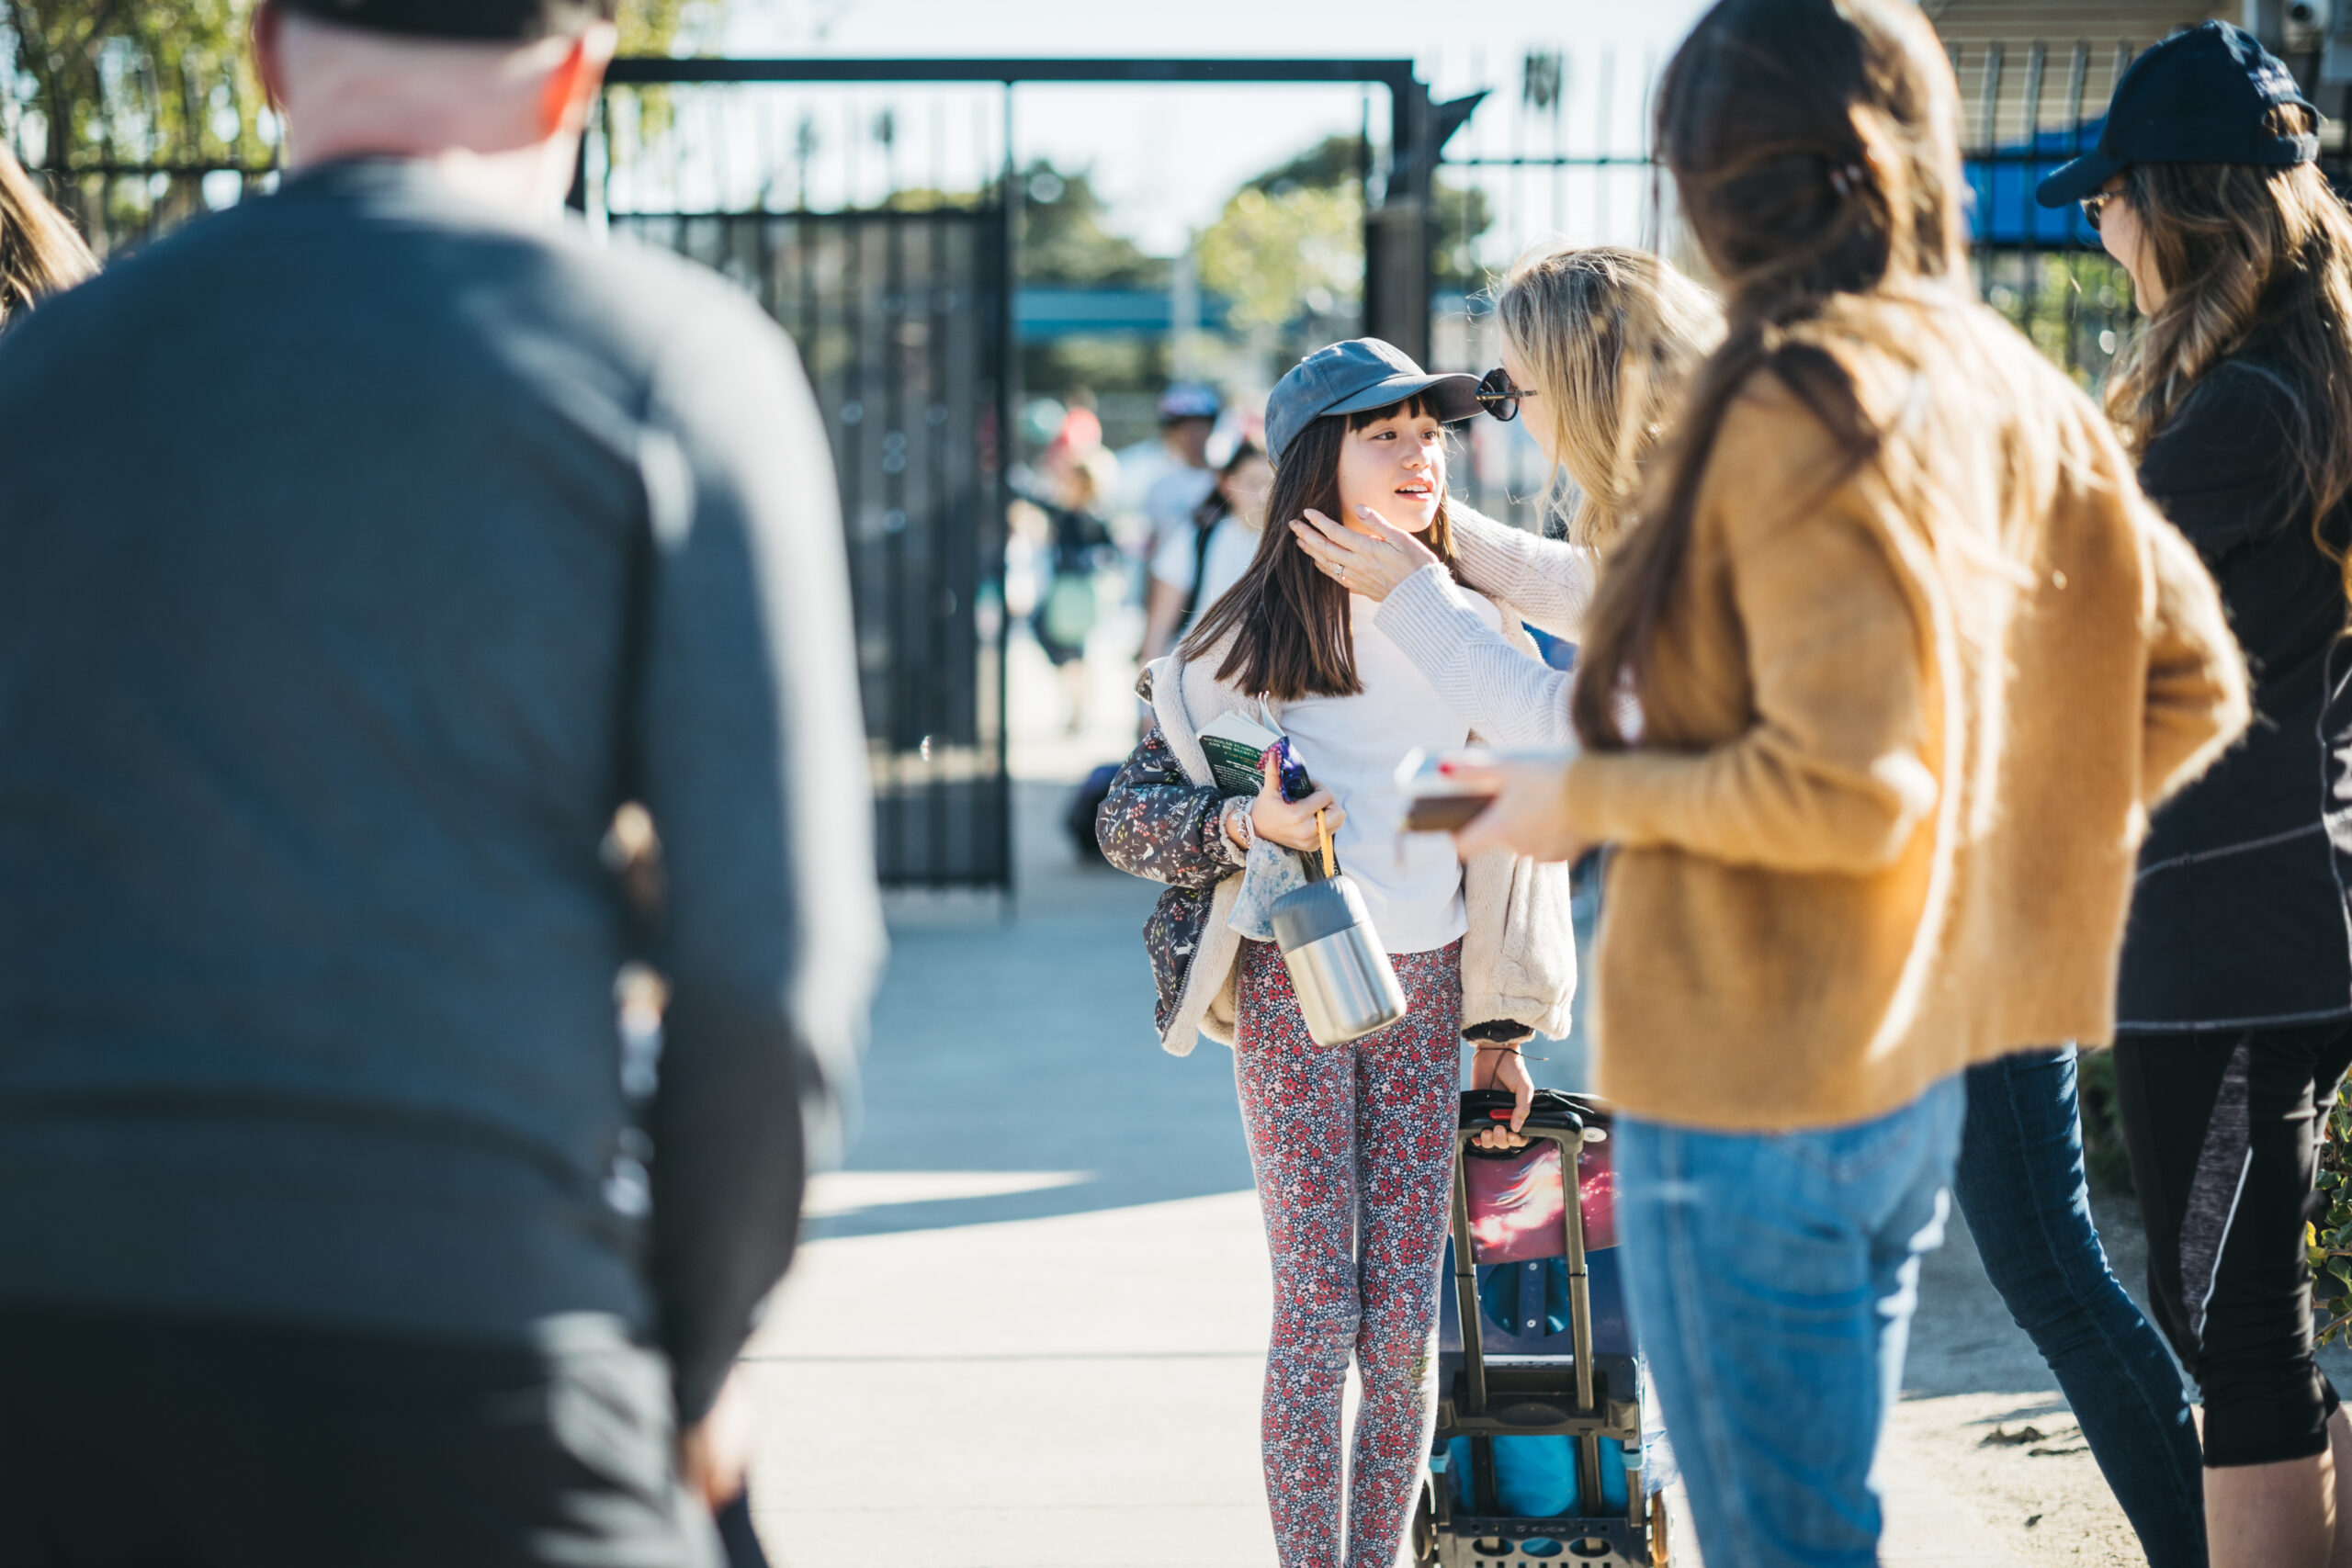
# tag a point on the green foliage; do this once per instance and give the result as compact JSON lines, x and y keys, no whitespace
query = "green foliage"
{"x":2075,"y":305}
{"x":1063,"y":240}
{"x":2108,"y":1167}
{"x":138,"y":82}
{"x":1272,"y":255}
{"x":2329,"y":1242}
{"x":1331,"y":163}
{"x":1460,"y":216}
{"x":1064,"y":243}
{"x":171,"y":82}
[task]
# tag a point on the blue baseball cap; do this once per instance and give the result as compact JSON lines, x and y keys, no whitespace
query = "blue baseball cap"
{"x":1349,"y":377}
{"x":2200,"y":96}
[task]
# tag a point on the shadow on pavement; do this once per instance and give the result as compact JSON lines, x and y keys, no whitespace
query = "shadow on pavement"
{"x":1014,"y":1039}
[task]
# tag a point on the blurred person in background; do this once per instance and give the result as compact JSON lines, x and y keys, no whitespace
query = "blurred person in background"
{"x":1076,"y":546}
{"x":384,"y":563}
{"x":1194,"y":569}
{"x":2235,"y":1011}
{"x":1913,"y":657}
{"x":40,"y":250}
{"x":1167,"y":478}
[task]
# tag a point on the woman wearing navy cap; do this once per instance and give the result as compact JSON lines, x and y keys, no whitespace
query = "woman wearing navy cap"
{"x":2235,"y":1018}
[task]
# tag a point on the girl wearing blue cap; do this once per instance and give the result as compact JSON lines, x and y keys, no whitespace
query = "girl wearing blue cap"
{"x":2235,"y":1015}
{"x":1352,"y":1146}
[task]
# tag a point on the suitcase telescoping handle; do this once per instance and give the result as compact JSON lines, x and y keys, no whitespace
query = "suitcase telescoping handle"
{"x":1554,"y":1119}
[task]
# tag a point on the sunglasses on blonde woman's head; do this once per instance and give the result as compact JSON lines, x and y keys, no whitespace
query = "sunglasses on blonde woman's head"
{"x":1498,"y":397}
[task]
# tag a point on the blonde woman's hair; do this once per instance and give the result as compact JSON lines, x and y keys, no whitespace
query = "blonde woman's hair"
{"x":2240,"y":249}
{"x":1610,"y":338}
{"x":40,"y":250}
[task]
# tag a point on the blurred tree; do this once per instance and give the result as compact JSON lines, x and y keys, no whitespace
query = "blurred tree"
{"x":1065,"y":244}
{"x":1276,"y":256}
{"x":122,"y":81}
{"x":1063,"y":240}
{"x":1291,"y":241}
{"x":171,"y":82}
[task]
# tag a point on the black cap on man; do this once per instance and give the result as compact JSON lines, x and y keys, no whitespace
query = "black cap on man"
{"x":486,"y":20}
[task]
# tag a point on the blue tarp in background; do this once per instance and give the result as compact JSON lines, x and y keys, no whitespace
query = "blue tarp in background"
{"x":2002,"y":208}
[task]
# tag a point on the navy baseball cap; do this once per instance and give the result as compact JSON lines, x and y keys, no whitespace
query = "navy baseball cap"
{"x":2200,"y":96}
{"x":1351,"y":376}
{"x":517,"y":21}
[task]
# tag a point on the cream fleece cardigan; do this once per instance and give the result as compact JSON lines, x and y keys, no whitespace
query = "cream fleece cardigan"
{"x":1518,"y":957}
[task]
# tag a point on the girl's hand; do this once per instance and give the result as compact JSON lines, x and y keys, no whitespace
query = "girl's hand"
{"x":1291,"y":823}
{"x":1501,"y":1067}
{"x":1529,"y":815}
{"x":1370,"y":555}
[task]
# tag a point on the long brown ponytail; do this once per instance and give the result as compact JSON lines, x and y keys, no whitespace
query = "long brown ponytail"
{"x":1814,"y":146}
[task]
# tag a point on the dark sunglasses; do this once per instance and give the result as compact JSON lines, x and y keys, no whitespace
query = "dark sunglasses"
{"x":1498,"y":397}
{"x":2094,"y":206}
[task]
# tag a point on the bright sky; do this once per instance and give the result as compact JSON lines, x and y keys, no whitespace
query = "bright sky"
{"x":1167,"y":157}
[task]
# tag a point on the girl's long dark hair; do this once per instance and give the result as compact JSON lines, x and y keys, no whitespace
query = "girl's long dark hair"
{"x":1291,"y":635}
{"x":1813,"y":144}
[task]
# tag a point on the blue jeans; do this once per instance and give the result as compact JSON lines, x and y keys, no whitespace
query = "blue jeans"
{"x":1771,"y":1278}
{"x":2021,"y":1186}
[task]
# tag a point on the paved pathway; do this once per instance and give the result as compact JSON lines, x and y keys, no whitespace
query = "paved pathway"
{"x":1026,"y":1331}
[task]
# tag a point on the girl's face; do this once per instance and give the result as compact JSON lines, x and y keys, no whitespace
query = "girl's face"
{"x":1396,"y":467}
{"x":1541,"y":429}
{"x":1246,"y":490}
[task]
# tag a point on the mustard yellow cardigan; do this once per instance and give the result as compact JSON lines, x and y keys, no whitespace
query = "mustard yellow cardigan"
{"x":1858,"y":851}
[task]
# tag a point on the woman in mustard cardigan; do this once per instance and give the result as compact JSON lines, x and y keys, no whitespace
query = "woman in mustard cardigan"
{"x":1912,"y":658}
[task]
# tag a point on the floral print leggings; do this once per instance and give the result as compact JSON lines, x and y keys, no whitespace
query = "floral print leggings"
{"x":1354,"y":1150}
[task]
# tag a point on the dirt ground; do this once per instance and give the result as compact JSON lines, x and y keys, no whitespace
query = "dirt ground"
{"x":1973,"y":1386}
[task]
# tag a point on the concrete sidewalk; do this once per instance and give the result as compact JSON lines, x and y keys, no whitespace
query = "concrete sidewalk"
{"x":1028,"y":1331}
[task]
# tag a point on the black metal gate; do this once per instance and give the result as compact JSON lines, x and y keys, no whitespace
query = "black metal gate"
{"x":900,"y":317}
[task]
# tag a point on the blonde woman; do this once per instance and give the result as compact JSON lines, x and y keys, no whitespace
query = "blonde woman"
{"x":1913,"y":656}
{"x":1598,"y":344}
{"x":2235,"y":1006}
{"x":40,"y":251}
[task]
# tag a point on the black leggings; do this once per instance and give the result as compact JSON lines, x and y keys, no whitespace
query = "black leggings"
{"x":2223,"y":1130}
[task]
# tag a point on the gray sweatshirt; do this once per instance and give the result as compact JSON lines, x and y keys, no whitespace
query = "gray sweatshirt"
{"x":360,"y":551}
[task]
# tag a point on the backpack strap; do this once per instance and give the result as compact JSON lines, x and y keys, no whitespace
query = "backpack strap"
{"x":1201,"y":534}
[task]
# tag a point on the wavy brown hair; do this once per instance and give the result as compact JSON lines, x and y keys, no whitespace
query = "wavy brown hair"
{"x":40,"y":250}
{"x":1291,"y":637}
{"x":1814,"y":147}
{"x":2245,"y":249}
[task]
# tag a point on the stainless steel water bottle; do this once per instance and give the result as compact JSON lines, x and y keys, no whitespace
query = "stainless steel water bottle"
{"x":1346,"y":986}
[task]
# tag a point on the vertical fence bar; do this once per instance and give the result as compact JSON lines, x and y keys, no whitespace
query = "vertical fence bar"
{"x":2029,"y":214}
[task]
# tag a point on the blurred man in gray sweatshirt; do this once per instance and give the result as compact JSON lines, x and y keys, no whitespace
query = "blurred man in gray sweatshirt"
{"x":364,"y":551}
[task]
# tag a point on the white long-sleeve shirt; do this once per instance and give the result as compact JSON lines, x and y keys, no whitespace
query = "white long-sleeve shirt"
{"x":1510,"y":700}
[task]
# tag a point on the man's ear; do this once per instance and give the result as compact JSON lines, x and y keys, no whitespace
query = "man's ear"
{"x":270,"y":62}
{"x":572,"y":85}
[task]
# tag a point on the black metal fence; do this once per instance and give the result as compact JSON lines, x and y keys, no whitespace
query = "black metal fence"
{"x":900,"y":319}
{"x":878,"y":227}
